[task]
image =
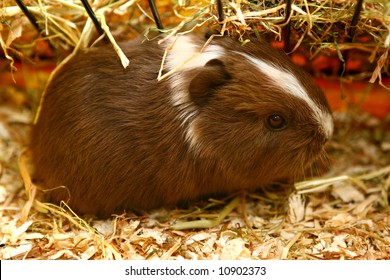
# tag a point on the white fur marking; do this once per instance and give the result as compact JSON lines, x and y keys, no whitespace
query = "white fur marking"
{"x":290,"y":84}
{"x":186,"y":54}
{"x":328,"y":126}
{"x":191,"y":136}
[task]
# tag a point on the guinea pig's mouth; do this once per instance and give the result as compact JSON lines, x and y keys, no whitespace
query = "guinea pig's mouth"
{"x":308,"y":159}
{"x":314,"y":163}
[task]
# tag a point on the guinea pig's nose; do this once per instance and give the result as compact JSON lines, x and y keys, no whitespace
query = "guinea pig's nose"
{"x":321,"y":138}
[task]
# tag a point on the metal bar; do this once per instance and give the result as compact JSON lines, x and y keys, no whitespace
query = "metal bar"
{"x":156,"y":15}
{"x":354,"y":21}
{"x":221,"y":15}
{"x":29,"y":15}
{"x":92,"y":16}
{"x":286,"y":29}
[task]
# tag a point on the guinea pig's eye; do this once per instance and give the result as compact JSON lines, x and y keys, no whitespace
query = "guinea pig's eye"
{"x":276,"y":122}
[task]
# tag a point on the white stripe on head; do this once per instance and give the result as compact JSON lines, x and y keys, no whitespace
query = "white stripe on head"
{"x":291,"y":85}
{"x":328,"y":125}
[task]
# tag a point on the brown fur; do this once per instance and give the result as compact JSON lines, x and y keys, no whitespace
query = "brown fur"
{"x":114,"y":139}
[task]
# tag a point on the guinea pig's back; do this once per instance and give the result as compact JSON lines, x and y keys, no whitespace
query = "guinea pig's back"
{"x":94,"y":104}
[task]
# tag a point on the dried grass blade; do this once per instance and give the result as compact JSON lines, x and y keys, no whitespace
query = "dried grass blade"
{"x":124,"y":60}
{"x":209,"y":223}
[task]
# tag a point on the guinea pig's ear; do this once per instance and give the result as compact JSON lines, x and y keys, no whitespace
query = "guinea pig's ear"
{"x":212,"y":76}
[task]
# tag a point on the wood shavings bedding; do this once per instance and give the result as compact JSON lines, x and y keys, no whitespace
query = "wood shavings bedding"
{"x":337,"y":223}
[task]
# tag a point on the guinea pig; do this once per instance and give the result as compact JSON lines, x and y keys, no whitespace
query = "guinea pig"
{"x":226,"y":117}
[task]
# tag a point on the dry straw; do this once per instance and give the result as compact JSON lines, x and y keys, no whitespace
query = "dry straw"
{"x":319,"y":27}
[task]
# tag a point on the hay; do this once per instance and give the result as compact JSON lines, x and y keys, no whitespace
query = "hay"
{"x":343,"y":216}
{"x":319,"y":27}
